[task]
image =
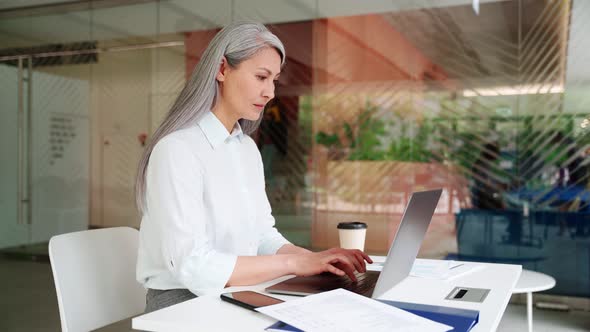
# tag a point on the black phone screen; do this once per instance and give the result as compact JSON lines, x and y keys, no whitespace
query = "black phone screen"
{"x":249,"y":299}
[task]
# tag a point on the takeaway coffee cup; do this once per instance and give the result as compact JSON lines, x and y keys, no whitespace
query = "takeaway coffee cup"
{"x":352,"y":235}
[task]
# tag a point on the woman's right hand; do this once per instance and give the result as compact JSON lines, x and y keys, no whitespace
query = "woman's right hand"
{"x":336,"y":260}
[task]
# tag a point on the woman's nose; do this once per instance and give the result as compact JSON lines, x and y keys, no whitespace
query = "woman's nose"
{"x":269,"y":90}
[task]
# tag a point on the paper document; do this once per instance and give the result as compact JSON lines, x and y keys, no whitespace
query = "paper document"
{"x":441,"y":269}
{"x":341,"y":310}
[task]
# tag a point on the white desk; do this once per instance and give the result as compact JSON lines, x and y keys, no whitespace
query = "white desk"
{"x":209,"y":313}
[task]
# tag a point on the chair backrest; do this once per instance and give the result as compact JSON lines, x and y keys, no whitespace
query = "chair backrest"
{"x":94,"y":273}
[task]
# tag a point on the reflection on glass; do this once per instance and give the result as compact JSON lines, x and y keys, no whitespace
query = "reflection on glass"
{"x":373,"y":104}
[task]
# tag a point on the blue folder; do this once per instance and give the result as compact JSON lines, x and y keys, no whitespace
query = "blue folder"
{"x":461,"y":320}
{"x":280,"y":326}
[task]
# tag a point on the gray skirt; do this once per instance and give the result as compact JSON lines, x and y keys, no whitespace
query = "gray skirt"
{"x":156,"y":299}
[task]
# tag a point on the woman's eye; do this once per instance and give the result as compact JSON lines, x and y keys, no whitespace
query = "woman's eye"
{"x":260,"y":77}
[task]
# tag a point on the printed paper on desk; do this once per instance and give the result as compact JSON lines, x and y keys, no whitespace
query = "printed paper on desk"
{"x":341,"y":310}
{"x":441,"y":269}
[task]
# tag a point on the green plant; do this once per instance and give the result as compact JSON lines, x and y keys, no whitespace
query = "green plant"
{"x":328,"y":140}
{"x":305,"y":118}
{"x":406,"y":148}
{"x":364,"y":140}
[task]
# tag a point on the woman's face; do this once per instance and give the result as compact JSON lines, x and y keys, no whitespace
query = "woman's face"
{"x":247,"y":88}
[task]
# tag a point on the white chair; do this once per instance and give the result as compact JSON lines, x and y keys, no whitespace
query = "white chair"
{"x":94,"y":273}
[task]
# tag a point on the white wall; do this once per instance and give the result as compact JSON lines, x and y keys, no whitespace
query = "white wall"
{"x":131,"y":91}
{"x":60,"y":156}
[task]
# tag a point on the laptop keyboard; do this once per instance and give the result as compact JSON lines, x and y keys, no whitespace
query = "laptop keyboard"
{"x":364,"y":285}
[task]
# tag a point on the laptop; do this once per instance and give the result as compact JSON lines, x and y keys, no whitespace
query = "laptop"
{"x":397,"y":265}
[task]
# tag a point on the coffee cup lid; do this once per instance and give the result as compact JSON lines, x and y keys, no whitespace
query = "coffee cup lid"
{"x":352,"y":225}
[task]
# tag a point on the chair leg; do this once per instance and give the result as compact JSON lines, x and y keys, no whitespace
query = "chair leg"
{"x":529,"y":310}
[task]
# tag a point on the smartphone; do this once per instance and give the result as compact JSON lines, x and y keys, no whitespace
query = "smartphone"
{"x":249,"y":300}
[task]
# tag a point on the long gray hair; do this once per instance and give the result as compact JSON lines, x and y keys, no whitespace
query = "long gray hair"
{"x":236,"y":42}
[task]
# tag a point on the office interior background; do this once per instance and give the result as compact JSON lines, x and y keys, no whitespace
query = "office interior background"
{"x":378,"y":99}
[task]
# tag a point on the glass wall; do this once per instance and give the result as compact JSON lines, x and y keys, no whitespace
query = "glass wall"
{"x":378,"y":99}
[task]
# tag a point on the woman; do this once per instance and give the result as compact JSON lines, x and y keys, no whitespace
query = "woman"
{"x":206,"y":221}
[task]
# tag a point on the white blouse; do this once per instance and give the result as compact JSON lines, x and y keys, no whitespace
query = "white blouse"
{"x":205,"y":205}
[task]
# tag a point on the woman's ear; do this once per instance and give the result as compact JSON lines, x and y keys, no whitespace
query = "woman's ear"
{"x":222,"y":72}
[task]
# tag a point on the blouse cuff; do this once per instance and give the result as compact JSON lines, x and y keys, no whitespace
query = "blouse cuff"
{"x":214,"y":277}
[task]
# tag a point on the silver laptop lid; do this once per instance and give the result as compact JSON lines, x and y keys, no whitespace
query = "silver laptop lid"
{"x":407,"y":240}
